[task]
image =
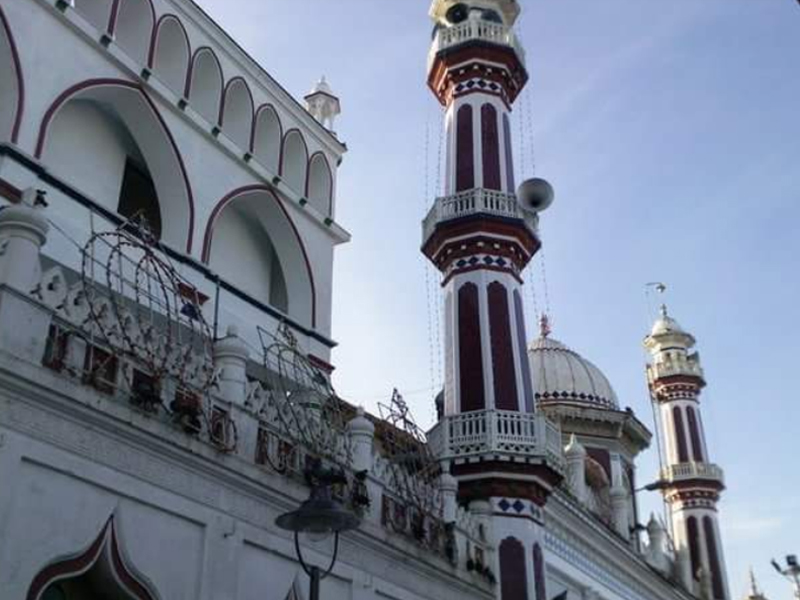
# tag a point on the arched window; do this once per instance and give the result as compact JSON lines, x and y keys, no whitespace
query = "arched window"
{"x":527,"y":382}
{"x":713,"y":559}
{"x":205,"y":88}
{"x":513,"y":578}
{"x":509,"y":154}
{"x":237,"y":113}
{"x":505,"y":376}
{"x":170,"y":60}
{"x":320,"y":184}
{"x":680,"y":435}
{"x":470,"y":349}
{"x":694,"y":434}
{"x":540,"y":585}
{"x":253,"y":244}
{"x":133,"y":28}
{"x":11,"y":90}
{"x":109,"y":142}
{"x":294,"y":161}
{"x":491,"y":147}
{"x":267,"y":138}
{"x":465,"y":159}
{"x":97,"y":12}
{"x":693,"y":535}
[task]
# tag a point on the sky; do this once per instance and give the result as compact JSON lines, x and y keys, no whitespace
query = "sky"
{"x":671,"y":134}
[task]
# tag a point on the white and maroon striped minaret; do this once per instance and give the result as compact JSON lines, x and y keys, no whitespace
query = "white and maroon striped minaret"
{"x":481,"y":235}
{"x":690,"y":482}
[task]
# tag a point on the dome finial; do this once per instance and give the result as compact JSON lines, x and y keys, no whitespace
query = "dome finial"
{"x":753,"y":585}
{"x":664,"y":311}
{"x":544,"y":326}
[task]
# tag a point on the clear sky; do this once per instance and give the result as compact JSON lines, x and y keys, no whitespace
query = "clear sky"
{"x":671,"y":133}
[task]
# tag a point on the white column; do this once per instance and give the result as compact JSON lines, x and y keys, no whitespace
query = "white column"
{"x":23,"y":231}
{"x":362,"y":433}
{"x":230,"y":355}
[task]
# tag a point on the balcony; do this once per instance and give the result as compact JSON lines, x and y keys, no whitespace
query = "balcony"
{"x":473,"y":202}
{"x":479,"y":433}
{"x":475,"y":30}
{"x":670,"y":368}
{"x":692,"y":470}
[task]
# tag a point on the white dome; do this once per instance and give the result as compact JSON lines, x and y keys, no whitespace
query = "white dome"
{"x":665,"y":324}
{"x":563,"y":376}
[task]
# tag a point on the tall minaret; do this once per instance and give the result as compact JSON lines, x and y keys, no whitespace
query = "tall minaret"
{"x":690,"y":482}
{"x":481,"y":235}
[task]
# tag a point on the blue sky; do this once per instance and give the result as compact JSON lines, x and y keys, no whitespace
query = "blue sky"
{"x":671,"y":133}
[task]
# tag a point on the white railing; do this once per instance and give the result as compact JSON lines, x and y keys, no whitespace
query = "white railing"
{"x":469,"y":30}
{"x":669,"y":368}
{"x":692,"y":470}
{"x":475,"y":201}
{"x":496,"y":431}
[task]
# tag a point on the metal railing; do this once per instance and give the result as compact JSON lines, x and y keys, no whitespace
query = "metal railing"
{"x":475,"y":201}
{"x":469,"y":30}
{"x":496,"y":431}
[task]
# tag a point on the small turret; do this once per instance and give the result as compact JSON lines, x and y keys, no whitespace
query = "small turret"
{"x":323,"y":104}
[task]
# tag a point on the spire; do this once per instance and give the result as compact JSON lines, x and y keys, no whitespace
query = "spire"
{"x":753,"y":585}
{"x":544,"y":326}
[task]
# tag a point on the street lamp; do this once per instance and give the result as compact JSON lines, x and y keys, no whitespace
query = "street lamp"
{"x":791,"y":572}
{"x":319,"y":516}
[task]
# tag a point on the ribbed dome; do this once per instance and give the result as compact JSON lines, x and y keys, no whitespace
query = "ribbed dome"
{"x":563,"y":376}
{"x":665,"y":324}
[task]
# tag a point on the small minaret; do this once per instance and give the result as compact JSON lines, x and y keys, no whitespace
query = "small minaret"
{"x":481,"y":235}
{"x":323,"y":104}
{"x":753,"y":593}
{"x":690,"y":482}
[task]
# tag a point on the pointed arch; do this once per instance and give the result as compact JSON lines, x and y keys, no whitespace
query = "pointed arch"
{"x":470,"y":349}
{"x":513,"y":578}
{"x":539,"y":582}
{"x":490,"y":143}
{"x":12,"y":92}
{"x":170,"y":53}
{"x":133,"y":25}
{"x":266,"y":211}
{"x":267,"y":137}
{"x":465,"y":159}
{"x":97,"y":12}
{"x":103,"y":558}
{"x":680,"y":434}
{"x":204,"y":84}
{"x":294,"y":160}
{"x":236,"y":116}
{"x":136,"y":112}
{"x":319,"y":185}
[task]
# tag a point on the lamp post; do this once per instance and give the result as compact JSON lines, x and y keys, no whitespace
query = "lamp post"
{"x":320,"y":515}
{"x":791,"y":572}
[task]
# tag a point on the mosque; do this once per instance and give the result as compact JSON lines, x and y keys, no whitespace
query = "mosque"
{"x":167,"y":234}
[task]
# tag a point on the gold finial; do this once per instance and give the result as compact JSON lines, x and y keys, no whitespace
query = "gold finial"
{"x":544,"y":326}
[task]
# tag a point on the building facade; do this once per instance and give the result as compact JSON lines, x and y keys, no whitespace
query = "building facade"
{"x":167,"y":233}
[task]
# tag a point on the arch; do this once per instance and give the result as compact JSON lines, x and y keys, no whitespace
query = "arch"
{"x":170,"y":53}
{"x":97,"y":12}
{"x":680,"y":435}
{"x":513,"y":578}
{"x":102,"y":562}
{"x":694,"y":434}
{"x":236,"y":116}
{"x":204,"y":84}
{"x":294,"y":160}
{"x":291,"y":253}
{"x":470,"y":361}
{"x":505,"y":375}
{"x":267,"y":137}
{"x":539,"y":583}
{"x":527,"y":381}
{"x":714,"y":563}
{"x":465,"y":159}
{"x":319,"y":187}
{"x":134,"y":110}
{"x":490,"y":142}
{"x":12,"y":92}
{"x":509,"y":154}
{"x":693,"y":535}
{"x":133,"y":24}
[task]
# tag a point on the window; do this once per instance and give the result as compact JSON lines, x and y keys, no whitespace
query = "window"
{"x":138,"y":198}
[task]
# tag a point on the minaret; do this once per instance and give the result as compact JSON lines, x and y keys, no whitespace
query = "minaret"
{"x":690,"y":482}
{"x":480,"y":235}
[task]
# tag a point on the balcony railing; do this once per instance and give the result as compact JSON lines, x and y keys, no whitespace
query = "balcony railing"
{"x":496,"y":431}
{"x":475,"y":201}
{"x":470,"y":30}
{"x":692,"y":470}
{"x":670,"y":368}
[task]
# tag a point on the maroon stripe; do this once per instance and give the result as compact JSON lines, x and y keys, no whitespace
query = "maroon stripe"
{"x":694,"y":544}
{"x":505,"y":376}
{"x":713,"y":559}
{"x":513,"y":581}
{"x":18,"y":73}
{"x":680,"y":436}
{"x":538,"y":573}
{"x":509,"y":155}
{"x":465,"y":160}
{"x":694,"y":433}
{"x":469,"y":349}
{"x":527,"y":382}
{"x":491,"y":148}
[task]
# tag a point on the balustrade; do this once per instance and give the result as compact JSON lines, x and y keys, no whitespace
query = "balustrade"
{"x":495,"y":33}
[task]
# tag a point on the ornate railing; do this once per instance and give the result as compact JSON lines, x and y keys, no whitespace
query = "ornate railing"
{"x":475,"y":201}
{"x":496,"y":431}
{"x":692,"y":470}
{"x":674,"y":367}
{"x":495,"y":33}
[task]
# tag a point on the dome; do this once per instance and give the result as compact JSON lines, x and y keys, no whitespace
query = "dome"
{"x":563,"y":376}
{"x":665,"y":324}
